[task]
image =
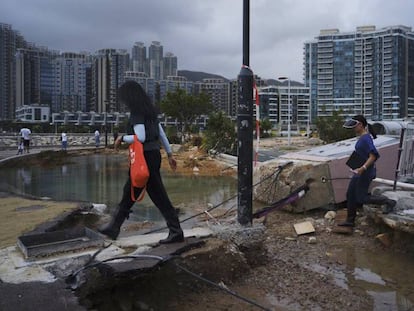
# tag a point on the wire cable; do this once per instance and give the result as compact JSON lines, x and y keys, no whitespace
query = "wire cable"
{"x":72,"y":276}
{"x":226,"y":290}
{"x":277,"y":173}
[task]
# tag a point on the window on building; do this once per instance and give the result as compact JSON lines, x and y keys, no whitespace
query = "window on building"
{"x":37,"y":114}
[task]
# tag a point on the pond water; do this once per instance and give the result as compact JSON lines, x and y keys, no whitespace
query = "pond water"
{"x":100,"y":179}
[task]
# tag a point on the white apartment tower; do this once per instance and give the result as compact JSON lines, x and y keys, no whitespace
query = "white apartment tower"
{"x":368,"y":71}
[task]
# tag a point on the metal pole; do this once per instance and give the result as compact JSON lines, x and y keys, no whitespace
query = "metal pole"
{"x":245,"y":130}
{"x":106,"y":130}
{"x":400,"y":150}
{"x":310,"y":92}
{"x":289,"y":112}
{"x":246,"y":32}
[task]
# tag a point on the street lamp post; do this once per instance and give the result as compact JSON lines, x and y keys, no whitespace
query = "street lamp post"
{"x":106,"y":130}
{"x":282,"y":79}
{"x":245,"y":128}
{"x":308,"y":122}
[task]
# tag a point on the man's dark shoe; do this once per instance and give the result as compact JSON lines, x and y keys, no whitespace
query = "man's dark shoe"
{"x":346,"y":223}
{"x":173,"y":238}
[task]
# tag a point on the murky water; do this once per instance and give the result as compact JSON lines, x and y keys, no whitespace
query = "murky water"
{"x":387,"y":278}
{"x":100,"y":179}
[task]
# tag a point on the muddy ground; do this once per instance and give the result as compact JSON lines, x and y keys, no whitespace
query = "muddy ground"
{"x":279,"y":270}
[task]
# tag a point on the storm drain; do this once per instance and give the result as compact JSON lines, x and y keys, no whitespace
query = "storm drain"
{"x":50,"y":243}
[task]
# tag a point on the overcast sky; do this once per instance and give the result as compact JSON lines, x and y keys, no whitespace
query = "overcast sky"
{"x":205,"y":35}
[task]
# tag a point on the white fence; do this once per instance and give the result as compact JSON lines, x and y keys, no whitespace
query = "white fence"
{"x":406,"y":164}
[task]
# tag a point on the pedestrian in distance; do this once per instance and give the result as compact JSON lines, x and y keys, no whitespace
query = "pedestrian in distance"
{"x":115,"y":135}
{"x":144,"y":123}
{"x":97,"y":138}
{"x":25,"y":135}
{"x":64,"y":139}
{"x":20,"y":147}
{"x":362,"y":165}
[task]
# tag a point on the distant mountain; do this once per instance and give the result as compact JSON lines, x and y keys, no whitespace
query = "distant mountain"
{"x":275,"y":82}
{"x":198,"y":75}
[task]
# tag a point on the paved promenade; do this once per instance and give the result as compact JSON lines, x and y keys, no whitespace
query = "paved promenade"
{"x":9,"y":153}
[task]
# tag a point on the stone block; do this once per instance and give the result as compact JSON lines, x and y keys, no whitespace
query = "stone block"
{"x":385,"y":239}
{"x":273,"y":189}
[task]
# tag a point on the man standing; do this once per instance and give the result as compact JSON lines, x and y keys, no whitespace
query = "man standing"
{"x":97,"y":135}
{"x":25,"y":133}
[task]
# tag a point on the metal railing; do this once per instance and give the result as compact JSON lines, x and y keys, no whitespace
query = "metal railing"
{"x":405,"y":167}
{"x":406,"y":163}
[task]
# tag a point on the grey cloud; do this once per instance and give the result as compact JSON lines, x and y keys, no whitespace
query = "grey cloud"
{"x":205,"y":35}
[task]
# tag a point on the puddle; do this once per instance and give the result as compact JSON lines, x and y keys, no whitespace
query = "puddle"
{"x":100,"y":178}
{"x":388,"y":277}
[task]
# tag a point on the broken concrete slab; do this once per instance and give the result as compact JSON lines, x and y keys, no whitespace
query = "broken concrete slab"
{"x":130,"y":266}
{"x":14,"y":268}
{"x":401,"y":218}
{"x":271,"y":190}
{"x":326,"y":165}
{"x":154,"y":238}
{"x":10,"y":273}
{"x":304,"y":228}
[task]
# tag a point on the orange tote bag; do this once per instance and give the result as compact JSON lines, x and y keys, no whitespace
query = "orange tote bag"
{"x":139,"y":172}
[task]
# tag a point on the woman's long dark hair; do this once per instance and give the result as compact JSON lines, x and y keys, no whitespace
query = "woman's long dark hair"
{"x":134,"y":97}
{"x":361,"y":118}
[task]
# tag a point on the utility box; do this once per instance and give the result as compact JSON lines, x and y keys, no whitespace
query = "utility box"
{"x":50,"y":243}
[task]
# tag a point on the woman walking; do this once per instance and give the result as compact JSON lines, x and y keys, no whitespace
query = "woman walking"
{"x":144,"y":123}
{"x":364,"y":159}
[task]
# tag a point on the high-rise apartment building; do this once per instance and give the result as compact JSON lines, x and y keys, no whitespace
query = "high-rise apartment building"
{"x":234,"y":97}
{"x":157,"y":65}
{"x":34,"y":74}
{"x":139,"y":58}
{"x":170,"y":65}
{"x":283,"y":104}
{"x":27,"y":86}
{"x":175,"y":82}
{"x":10,"y":40}
{"x":155,"y":60}
{"x":368,"y":71}
{"x":219,"y":92}
{"x":108,"y":75}
{"x":147,"y":83}
{"x":70,"y":76}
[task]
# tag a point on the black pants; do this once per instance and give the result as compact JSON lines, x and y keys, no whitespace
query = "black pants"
{"x":156,"y":191}
{"x":357,"y":195}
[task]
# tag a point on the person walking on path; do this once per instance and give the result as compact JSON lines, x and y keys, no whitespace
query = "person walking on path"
{"x":144,"y":123}
{"x":115,"y":135}
{"x":25,"y":134}
{"x":365,"y":156}
{"x":64,"y":139}
{"x":20,"y":147}
{"x":97,"y":138}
